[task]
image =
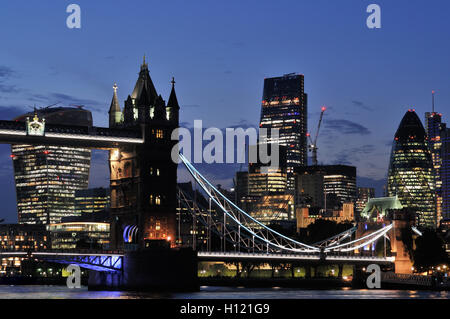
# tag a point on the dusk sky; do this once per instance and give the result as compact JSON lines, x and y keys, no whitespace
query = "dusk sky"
{"x":219,"y":54}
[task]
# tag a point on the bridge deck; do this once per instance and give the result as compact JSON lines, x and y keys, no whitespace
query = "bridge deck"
{"x":314,"y":258}
{"x":12,"y":132}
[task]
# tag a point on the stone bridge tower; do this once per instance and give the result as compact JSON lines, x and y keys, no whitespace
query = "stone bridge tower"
{"x":401,"y":239}
{"x":144,"y":178}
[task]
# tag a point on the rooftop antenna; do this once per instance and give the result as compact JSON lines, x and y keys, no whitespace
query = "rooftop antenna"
{"x":432,"y":100}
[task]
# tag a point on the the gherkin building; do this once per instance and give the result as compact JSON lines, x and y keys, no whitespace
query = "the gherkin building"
{"x":411,"y":175}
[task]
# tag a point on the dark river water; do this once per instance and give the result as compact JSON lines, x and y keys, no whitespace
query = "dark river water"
{"x":62,"y":292}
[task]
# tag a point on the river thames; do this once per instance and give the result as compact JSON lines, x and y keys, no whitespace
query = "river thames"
{"x":62,"y":292}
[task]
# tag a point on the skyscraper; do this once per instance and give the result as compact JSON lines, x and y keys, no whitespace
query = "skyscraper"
{"x":434,"y":130}
{"x":47,"y":177}
{"x":284,"y":107}
{"x":330,"y":186}
{"x":445,"y":171}
{"x":411,"y":172}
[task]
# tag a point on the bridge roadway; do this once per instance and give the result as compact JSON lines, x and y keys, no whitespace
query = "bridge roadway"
{"x":304,"y":258}
{"x":112,"y":261}
{"x":12,"y":132}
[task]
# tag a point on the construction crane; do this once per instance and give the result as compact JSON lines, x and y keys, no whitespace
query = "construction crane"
{"x":313,"y":143}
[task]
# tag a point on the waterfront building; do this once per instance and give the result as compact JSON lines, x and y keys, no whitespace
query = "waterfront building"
{"x":92,"y":200}
{"x":79,"y":235}
{"x":47,"y":177}
{"x":20,"y":237}
{"x":411,"y":173}
{"x":284,"y":107}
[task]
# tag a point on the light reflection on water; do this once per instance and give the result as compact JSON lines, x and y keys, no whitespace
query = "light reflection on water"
{"x":62,"y":292}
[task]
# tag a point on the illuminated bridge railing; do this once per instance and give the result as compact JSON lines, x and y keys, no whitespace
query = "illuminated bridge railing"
{"x":105,"y":261}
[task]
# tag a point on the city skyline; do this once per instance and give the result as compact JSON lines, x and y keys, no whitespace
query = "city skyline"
{"x":356,"y":108}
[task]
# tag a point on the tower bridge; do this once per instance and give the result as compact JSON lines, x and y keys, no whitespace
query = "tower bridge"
{"x":144,"y":198}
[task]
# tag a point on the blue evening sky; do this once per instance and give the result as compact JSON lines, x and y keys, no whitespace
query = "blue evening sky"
{"x":220,"y":52}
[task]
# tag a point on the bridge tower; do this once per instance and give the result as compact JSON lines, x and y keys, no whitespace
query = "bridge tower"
{"x":144,"y":178}
{"x":401,"y":239}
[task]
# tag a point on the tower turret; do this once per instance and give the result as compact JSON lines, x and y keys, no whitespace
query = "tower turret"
{"x":173,"y":108}
{"x":115,"y":114}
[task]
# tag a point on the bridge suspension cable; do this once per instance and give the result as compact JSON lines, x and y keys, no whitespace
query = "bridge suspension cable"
{"x":361,"y":242}
{"x":336,"y":239}
{"x":272,"y":240}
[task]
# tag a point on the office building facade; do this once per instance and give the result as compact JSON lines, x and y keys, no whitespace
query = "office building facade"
{"x":445,"y":172}
{"x":330,"y":186}
{"x":47,"y":177}
{"x":411,"y":172}
{"x":284,"y":107}
{"x":434,"y":129}
{"x":92,"y":200}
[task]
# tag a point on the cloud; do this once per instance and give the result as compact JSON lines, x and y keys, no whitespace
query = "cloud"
{"x":345,"y":127}
{"x":361,"y":105}
{"x":8,"y":112}
{"x":190,"y":106}
{"x":351,"y":156}
{"x":4,"y":88}
{"x":52,"y":98}
{"x":6,"y":72}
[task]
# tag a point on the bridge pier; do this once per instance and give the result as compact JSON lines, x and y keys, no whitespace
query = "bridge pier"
{"x":308,"y":272}
{"x":155,"y":269}
{"x":341,"y":269}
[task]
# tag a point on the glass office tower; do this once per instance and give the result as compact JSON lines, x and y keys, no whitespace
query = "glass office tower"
{"x":411,"y":171}
{"x":433,"y":127}
{"x":47,"y":177}
{"x":445,"y":171}
{"x":284,"y":107}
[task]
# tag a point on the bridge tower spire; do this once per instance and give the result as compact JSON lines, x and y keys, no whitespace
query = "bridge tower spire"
{"x":115,"y":114}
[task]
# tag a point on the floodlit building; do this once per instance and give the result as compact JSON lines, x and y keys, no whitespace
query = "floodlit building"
{"x":377,"y":209}
{"x":47,"y":177}
{"x":411,"y":173}
{"x":305,"y":218}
